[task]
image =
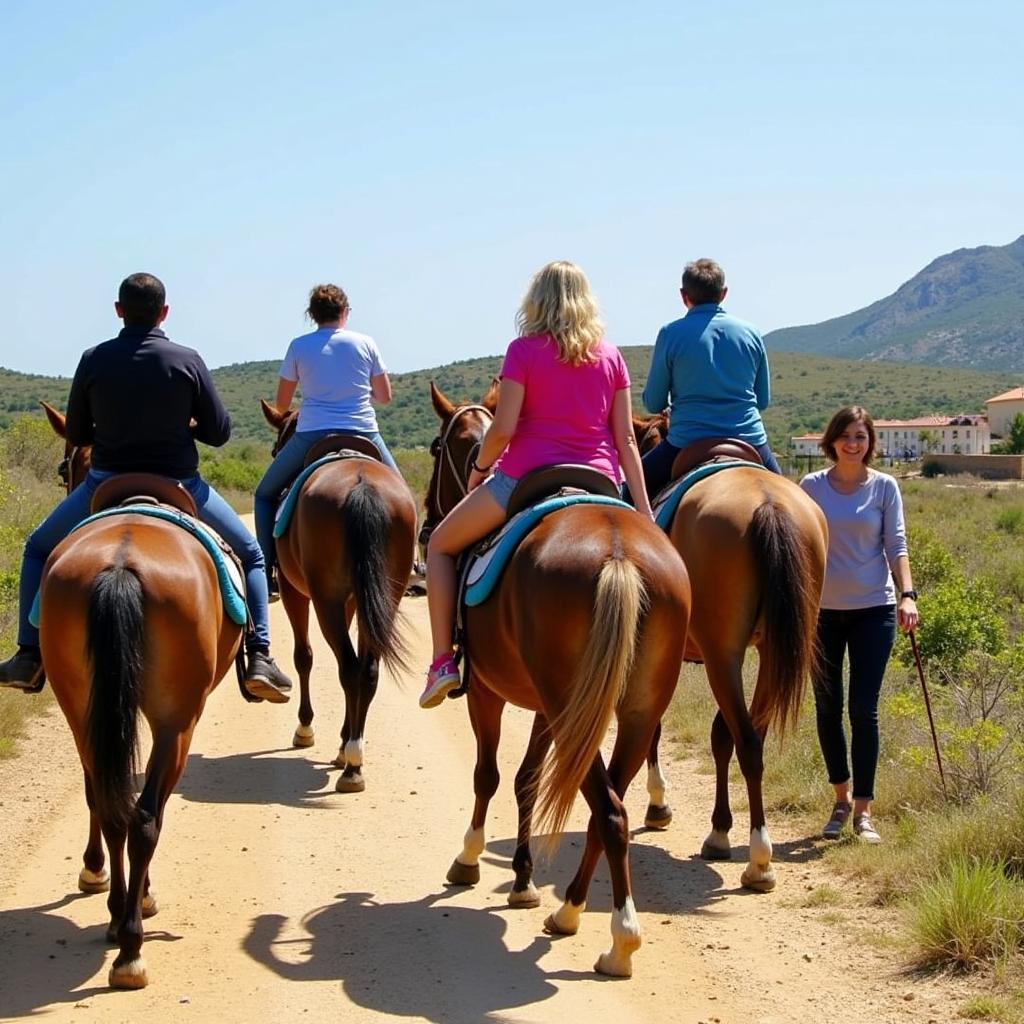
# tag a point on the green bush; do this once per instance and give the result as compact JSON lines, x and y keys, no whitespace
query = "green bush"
{"x":1011,"y":520}
{"x":29,"y":443}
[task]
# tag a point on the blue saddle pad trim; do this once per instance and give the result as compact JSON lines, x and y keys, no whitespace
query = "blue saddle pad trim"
{"x":234,"y":602}
{"x":287,"y":507}
{"x":666,"y":509}
{"x":517,"y":528}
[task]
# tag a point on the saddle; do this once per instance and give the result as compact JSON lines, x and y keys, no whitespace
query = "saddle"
{"x":538,"y":493}
{"x":345,"y":445}
{"x":142,"y":488}
{"x":713,"y":449}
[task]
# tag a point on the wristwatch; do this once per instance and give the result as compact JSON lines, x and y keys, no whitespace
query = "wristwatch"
{"x":912,"y":594}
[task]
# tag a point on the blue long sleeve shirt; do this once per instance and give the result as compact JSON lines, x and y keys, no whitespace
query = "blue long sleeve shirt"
{"x":711,"y":368}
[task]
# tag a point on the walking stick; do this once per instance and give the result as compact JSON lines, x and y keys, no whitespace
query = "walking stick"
{"x":928,"y":706}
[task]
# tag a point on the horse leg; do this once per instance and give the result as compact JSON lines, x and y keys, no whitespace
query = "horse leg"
{"x":608,"y":828}
{"x":363,"y":672}
{"x":94,"y":877}
{"x":717,"y":845}
{"x":659,"y":813}
{"x":296,"y":606}
{"x":524,"y":892}
{"x":485,"y":710}
{"x":166,"y":763}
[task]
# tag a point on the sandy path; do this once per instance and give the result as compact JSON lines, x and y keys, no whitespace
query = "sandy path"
{"x":282,"y":900}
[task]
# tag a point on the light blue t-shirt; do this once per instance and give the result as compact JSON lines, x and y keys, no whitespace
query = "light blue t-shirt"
{"x":333,"y":368}
{"x":866,"y":534}
{"x":714,"y":368}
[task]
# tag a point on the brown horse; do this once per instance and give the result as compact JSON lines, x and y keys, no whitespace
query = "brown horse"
{"x":121,"y":599}
{"x":348,"y":549}
{"x":588,"y":621}
{"x":754,"y":545}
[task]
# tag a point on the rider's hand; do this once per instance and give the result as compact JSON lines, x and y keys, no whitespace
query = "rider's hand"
{"x":476,"y":478}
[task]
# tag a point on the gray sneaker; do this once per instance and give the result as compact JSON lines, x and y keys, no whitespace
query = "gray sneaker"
{"x":840,"y":815}
{"x":264,"y":679}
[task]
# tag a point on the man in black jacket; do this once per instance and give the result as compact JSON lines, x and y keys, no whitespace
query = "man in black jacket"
{"x":142,"y":402}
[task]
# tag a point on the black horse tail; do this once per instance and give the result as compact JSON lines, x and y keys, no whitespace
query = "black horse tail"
{"x":116,"y":647}
{"x":368,"y":524}
{"x":789,"y":608}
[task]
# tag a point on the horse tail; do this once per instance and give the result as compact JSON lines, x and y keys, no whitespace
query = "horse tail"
{"x":578,"y":729}
{"x":116,"y":648}
{"x":789,"y":610}
{"x":368,"y":523}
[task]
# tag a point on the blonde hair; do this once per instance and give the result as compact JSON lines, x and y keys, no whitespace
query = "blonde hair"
{"x":559,"y":302}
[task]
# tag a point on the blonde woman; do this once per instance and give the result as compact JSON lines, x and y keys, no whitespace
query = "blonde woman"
{"x":564,"y":397}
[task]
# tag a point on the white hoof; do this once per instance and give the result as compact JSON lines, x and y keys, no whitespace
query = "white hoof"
{"x":149,"y":905}
{"x":618,"y":961}
{"x":350,"y":783}
{"x":525,"y":898}
{"x":565,"y":920}
{"x":94,"y":881}
{"x":304,"y":736}
{"x":716,"y":846}
{"x":758,"y":874}
{"x":353,"y":752}
{"x":129,"y":975}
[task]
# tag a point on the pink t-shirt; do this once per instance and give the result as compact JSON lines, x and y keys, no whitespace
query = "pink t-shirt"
{"x":566,"y":414}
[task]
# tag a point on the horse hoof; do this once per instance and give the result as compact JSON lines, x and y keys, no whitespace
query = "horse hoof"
{"x":94,"y":882}
{"x":129,"y":975}
{"x":463,"y":874}
{"x":566,"y":924}
{"x":149,"y":905}
{"x":524,"y":899}
{"x":350,"y":784}
{"x":304,"y":737}
{"x":658,"y":816}
{"x":757,"y":880}
{"x":613,"y":966}
{"x":712,"y":850}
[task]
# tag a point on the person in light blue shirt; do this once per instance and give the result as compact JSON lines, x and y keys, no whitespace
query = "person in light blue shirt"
{"x":340,"y":373}
{"x":711,"y":370}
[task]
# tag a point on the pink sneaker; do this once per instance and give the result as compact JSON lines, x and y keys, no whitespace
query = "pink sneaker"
{"x":442,"y":676}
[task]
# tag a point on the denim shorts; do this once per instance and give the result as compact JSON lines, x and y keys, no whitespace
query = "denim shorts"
{"x":501,"y":487}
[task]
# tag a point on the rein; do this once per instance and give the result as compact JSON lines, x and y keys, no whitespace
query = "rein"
{"x":441,"y":450}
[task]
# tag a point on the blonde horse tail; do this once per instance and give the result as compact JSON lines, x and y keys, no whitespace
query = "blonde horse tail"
{"x":620,"y":600}
{"x":789,"y":608}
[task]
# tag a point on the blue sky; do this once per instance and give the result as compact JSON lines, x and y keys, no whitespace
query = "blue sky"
{"x":430,"y":157}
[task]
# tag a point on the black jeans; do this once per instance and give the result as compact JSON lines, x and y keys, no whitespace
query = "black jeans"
{"x":867,"y":635}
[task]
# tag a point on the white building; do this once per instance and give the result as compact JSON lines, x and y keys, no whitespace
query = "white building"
{"x":910,"y":439}
{"x":1002,"y":409}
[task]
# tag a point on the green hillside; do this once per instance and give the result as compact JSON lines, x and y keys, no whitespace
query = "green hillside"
{"x":964,"y":309}
{"x":806,"y":390}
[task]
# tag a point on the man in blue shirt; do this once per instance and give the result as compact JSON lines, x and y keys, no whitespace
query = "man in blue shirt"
{"x":711,"y":369}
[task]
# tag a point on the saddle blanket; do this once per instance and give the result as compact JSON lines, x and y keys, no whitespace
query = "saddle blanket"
{"x":287,"y":507}
{"x":232,"y":586}
{"x":667,"y":500}
{"x":487,"y":561}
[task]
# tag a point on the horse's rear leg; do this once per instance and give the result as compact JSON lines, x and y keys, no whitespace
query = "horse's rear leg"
{"x":524,"y":892}
{"x":485,"y":710}
{"x":296,"y":606}
{"x":94,"y":877}
{"x":165,"y":767}
{"x":717,"y":846}
{"x":659,"y":813}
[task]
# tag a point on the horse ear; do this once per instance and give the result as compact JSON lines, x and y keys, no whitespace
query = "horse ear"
{"x":56,"y":419}
{"x":490,"y":400}
{"x":442,"y":406}
{"x":272,"y":416}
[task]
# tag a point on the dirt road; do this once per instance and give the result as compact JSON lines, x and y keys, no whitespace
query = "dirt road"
{"x":282,"y":900}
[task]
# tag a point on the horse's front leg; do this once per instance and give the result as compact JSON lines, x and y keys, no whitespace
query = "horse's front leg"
{"x":659,"y":813}
{"x":296,"y":606}
{"x":358,"y":674}
{"x":717,"y":845}
{"x":485,"y":710}
{"x":524,"y":892}
{"x":94,"y":877}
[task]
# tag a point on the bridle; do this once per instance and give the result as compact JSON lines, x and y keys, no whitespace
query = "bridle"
{"x":445,"y":463}
{"x":652,"y":430}
{"x":74,"y":458}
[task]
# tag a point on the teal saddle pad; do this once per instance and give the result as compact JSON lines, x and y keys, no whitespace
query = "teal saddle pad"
{"x":287,"y":506}
{"x":232,"y":588}
{"x":667,"y":501}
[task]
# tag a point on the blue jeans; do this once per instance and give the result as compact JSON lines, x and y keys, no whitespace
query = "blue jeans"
{"x":286,"y":467}
{"x":867,"y":635}
{"x":213,"y":510}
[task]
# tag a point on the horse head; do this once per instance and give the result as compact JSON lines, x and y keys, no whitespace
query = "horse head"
{"x":650,"y":431}
{"x":77,"y":458}
{"x":283,"y":422}
{"x":459,"y":437}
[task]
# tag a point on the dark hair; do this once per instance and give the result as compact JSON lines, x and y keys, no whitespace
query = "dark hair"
{"x":842,"y":419}
{"x":703,"y":281}
{"x":142,"y":298}
{"x":327,"y":302}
